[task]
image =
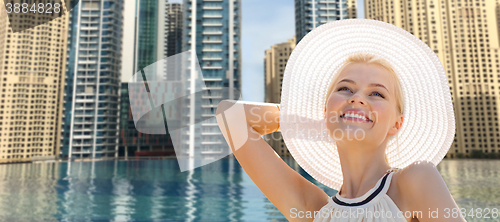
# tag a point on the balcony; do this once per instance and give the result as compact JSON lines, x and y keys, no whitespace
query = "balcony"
{"x":211,"y":142}
{"x":80,"y":151}
{"x":211,"y":152}
{"x":83,"y":137}
{"x":211,"y":41}
{"x":212,"y":33}
{"x":209,"y":106}
{"x":214,"y":87}
{"x":211,"y":50}
{"x":212,"y":97}
{"x":328,"y":15}
{"x":84,"y":101}
{"x":211,"y":58}
{"x":211,"y":134}
{"x":89,"y":28}
{"x":212,"y":7}
{"x":206,"y":115}
{"x":212,"y":67}
{"x":212,"y":79}
{"x":209,"y":124}
{"x":89,"y":42}
{"x":212,"y":16}
{"x":212,"y":24}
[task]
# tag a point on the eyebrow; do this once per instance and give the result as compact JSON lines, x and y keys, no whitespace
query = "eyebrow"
{"x":373,"y":84}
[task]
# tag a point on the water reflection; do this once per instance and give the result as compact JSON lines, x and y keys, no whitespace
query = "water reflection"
{"x":28,"y":192}
{"x":473,"y":183}
{"x":157,"y":190}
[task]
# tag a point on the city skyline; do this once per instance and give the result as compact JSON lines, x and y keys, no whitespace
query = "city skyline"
{"x":112,"y":111}
{"x":94,"y":63}
{"x":274,"y":18}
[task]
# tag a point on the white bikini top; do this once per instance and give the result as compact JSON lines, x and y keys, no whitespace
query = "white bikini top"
{"x":375,"y":205}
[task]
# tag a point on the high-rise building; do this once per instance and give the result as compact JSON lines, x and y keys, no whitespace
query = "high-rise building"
{"x":464,"y":35}
{"x":150,"y":32}
{"x":93,"y":80}
{"x":310,"y":14}
{"x":274,"y":67}
{"x":33,"y":60}
{"x":150,"y":47}
{"x":212,"y":30}
{"x":174,"y":24}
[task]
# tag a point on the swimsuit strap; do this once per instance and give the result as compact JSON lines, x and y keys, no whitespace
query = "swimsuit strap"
{"x":381,"y":187}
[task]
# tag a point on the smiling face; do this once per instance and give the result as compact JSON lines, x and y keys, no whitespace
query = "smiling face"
{"x":363,"y":101}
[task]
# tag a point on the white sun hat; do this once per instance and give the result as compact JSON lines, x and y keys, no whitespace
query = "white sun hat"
{"x":429,"y":121}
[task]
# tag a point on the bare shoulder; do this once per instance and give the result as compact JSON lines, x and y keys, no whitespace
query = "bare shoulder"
{"x":406,"y":181}
{"x":416,"y":170}
{"x":421,"y":188}
{"x":417,"y":177}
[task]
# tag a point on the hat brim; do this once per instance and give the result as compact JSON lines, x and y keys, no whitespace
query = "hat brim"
{"x":429,"y":121}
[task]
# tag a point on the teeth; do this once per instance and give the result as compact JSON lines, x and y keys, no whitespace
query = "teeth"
{"x":355,"y":116}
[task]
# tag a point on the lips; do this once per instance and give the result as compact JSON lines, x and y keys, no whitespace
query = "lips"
{"x":355,"y":115}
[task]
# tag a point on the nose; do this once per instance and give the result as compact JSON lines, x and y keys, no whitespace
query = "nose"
{"x":357,"y":99}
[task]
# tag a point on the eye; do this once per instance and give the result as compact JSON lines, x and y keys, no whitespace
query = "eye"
{"x":341,"y":88}
{"x":380,"y":94}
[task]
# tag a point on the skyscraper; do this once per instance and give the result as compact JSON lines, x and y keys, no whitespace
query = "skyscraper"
{"x":213,"y":32}
{"x":93,"y":79}
{"x":150,"y":46}
{"x":174,"y":25}
{"x":464,"y":35}
{"x":274,"y":67}
{"x":310,"y":14}
{"x":150,"y":32}
{"x":31,"y":79}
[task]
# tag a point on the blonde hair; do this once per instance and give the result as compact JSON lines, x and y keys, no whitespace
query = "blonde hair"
{"x":372,"y":59}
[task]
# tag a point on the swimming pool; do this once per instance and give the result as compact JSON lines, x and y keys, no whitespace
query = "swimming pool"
{"x":155,"y":190}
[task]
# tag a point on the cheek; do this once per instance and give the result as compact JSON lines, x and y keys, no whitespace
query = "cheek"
{"x":333,"y":108}
{"x":382,"y":111}
{"x":333,"y":105}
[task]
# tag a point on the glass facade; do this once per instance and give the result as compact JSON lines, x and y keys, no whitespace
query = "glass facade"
{"x":151,"y":43}
{"x":174,"y":29}
{"x":150,"y":32}
{"x":310,"y":14}
{"x":133,"y":142}
{"x":147,"y":22}
{"x":93,"y":80}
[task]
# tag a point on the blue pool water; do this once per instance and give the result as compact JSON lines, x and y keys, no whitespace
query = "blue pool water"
{"x":155,"y":190}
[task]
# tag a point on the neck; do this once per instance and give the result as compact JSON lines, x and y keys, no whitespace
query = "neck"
{"x":362,"y":166}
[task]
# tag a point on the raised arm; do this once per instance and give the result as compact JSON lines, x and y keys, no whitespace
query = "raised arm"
{"x":242,"y":125}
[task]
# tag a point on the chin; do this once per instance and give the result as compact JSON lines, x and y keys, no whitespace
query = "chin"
{"x":348,"y":133}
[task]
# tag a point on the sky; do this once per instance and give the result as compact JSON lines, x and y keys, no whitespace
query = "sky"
{"x":264,"y":23}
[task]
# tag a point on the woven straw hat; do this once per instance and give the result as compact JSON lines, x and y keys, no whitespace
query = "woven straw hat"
{"x":429,"y":122}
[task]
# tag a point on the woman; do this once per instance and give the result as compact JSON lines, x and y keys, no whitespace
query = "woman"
{"x":362,"y":107}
